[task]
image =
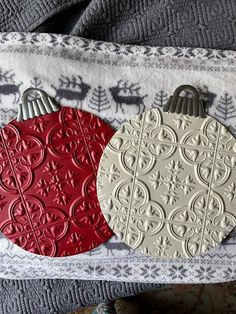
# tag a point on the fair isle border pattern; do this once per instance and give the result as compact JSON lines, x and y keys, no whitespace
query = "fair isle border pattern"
{"x":82,"y":44}
{"x":107,"y":53}
{"x":135,"y":269}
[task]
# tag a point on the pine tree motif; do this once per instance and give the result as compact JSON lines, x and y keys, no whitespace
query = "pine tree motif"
{"x":35,"y":83}
{"x":99,"y":101}
{"x":160,"y":99}
{"x":207,"y":97}
{"x":225,"y":108}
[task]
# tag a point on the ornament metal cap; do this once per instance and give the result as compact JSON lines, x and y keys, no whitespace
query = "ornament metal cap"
{"x":33,"y":108}
{"x":185,"y":105}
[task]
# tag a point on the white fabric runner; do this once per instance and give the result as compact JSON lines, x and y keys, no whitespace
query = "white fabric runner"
{"x":61,"y":65}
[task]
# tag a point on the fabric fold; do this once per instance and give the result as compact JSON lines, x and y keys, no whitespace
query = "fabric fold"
{"x":205,"y":23}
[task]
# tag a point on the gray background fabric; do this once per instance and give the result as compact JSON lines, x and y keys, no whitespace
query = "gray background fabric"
{"x":60,"y":296}
{"x":192,"y":23}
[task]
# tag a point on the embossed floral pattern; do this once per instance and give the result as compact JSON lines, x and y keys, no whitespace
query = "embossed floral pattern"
{"x":173,"y":193}
{"x":182,"y":122}
{"x":162,"y":244}
{"x":172,"y":182}
{"x":112,"y":173}
{"x":230,"y":191}
{"x":57,"y":182}
{"x":48,"y":201}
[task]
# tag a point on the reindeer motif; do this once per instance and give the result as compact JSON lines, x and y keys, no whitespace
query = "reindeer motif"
{"x":129,"y":94}
{"x":115,"y":244}
{"x":73,"y":89}
{"x":207,"y":97}
{"x":8,"y":86}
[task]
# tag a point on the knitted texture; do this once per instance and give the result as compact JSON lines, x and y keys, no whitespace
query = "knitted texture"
{"x":60,"y":296}
{"x":189,"y":23}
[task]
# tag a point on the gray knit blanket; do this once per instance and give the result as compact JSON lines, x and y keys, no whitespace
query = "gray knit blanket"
{"x":179,"y":23}
{"x":44,"y":296}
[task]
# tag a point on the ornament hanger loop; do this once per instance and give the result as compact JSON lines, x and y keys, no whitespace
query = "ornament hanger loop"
{"x":184,"y":104}
{"x":39,"y":106}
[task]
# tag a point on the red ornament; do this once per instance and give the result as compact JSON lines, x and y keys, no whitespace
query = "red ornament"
{"x":48,"y":167}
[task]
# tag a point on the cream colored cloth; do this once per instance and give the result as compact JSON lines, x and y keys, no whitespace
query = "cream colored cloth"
{"x":91,"y":75}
